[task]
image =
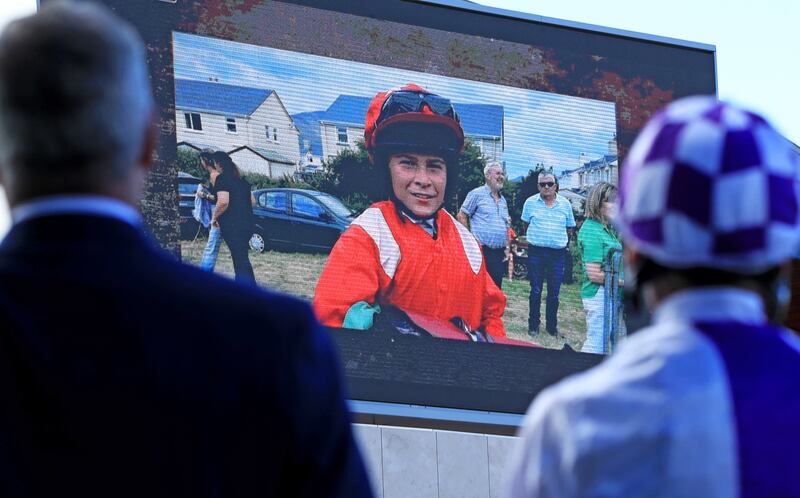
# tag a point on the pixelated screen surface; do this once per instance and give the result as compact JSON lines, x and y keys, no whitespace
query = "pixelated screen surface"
{"x":294,"y":125}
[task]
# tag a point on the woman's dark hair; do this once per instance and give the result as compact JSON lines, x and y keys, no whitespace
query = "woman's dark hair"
{"x":226,"y":164}
{"x":207,"y":157}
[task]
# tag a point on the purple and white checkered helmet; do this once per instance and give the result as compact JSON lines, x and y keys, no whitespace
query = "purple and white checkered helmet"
{"x":707,"y":184}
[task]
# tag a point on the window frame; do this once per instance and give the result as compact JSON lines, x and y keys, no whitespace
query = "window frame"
{"x":339,"y":134}
{"x":231,"y":122}
{"x":191,"y":123}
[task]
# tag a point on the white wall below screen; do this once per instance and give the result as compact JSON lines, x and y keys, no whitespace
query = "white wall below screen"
{"x":404,"y":461}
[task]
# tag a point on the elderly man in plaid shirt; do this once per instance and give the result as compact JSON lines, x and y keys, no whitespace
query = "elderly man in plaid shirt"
{"x":485,"y":213}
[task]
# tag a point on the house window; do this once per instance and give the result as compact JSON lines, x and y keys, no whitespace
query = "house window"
{"x":341,"y":132}
{"x":193,"y":121}
{"x":274,"y":133}
{"x":231,"y":124}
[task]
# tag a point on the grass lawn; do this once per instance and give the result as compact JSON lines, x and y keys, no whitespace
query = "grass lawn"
{"x":297,"y":274}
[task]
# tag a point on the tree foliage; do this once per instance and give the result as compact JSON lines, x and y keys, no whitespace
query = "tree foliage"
{"x":470,"y":175}
{"x":259,"y":181}
{"x":350,"y":177}
{"x":189,"y":162}
{"x":517,"y":193}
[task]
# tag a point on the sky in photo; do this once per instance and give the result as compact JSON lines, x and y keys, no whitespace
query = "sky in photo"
{"x":556,"y":130}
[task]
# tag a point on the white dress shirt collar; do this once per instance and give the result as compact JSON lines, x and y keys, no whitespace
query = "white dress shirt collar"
{"x":709,"y":304}
{"x":93,"y":205}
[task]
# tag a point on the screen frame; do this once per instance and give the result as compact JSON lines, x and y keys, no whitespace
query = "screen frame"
{"x":537,"y":368}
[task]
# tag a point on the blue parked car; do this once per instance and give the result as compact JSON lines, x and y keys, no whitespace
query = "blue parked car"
{"x":298,"y":220}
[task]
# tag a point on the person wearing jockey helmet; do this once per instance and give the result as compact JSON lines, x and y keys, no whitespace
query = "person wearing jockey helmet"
{"x":407,"y":252}
{"x":704,"y":401}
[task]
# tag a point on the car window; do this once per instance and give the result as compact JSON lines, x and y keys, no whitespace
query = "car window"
{"x":306,"y":206}
{"x":335,"y":205}
{"x":273,"y":200}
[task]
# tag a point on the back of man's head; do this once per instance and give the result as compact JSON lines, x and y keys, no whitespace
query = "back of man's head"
{"x":75,"y":101}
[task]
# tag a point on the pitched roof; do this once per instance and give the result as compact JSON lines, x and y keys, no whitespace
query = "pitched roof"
{"x":347,"y":109}
{"x":307,"y":124}
{"x":218,"y":98}
{"x":593,"y":164}
{"x":484,"y":120}
{"x":478,"y":120}
{"x":197,"y":146}
{"x":269,"y":155}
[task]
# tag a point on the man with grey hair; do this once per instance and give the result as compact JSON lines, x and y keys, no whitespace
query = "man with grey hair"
{"x":112,"y":383}
{"x":485,"y":213}
{"x":548,"y":221}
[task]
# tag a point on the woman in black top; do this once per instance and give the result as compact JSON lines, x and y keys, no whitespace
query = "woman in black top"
{"x":234,"y":214}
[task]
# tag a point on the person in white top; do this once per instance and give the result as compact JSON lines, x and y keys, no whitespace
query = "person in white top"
{"x":704,"y":402}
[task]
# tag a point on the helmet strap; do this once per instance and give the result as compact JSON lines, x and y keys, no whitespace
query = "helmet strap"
{"x":404,"y":210}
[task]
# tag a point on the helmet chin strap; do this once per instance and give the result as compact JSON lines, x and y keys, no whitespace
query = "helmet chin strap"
{"x":404,"y":209}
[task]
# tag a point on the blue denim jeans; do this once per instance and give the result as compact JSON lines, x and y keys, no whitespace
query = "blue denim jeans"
{"x":209,"y":259}
{"x":545,"y":265}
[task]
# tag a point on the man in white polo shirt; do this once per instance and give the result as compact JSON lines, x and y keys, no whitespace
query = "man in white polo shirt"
{"x":548,"y":222}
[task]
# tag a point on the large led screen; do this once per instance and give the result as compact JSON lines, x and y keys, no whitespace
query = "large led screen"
{"x":421,"y":312}
{"x":294,"y":126}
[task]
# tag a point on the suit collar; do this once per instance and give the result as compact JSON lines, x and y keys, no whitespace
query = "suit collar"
{"x":94,"y":205}
{"x":81,"y":231}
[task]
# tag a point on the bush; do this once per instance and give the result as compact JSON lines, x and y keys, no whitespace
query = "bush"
{"x":189,"y":162}
{"x":259,"y":181}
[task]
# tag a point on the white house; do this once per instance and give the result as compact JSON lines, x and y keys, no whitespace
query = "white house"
{"x":341,"y":125}
{"x":253,"y":122}
{"x":603,"y":169}
{"x":308,"y":123}
{"x":262,"y":161}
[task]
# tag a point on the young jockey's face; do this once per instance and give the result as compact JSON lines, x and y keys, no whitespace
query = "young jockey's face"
{"x":418,"y":181}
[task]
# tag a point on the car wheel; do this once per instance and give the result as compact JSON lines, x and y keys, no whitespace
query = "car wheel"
{"x":257,"y":243}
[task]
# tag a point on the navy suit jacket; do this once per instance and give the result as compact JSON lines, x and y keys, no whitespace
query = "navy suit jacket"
{"x":126,"y":373}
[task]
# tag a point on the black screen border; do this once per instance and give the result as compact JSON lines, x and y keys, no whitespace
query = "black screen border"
{"x":423,"y":379}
